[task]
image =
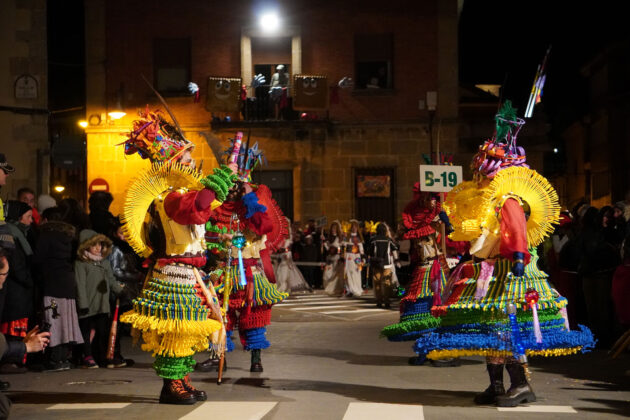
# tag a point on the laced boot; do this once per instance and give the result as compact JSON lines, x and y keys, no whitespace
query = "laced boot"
{"x":496,"y":389}
{"x":199,"y":394}
{"x":256,"y":361}
{"x":520,"y":391}
{"x":173,"y":392}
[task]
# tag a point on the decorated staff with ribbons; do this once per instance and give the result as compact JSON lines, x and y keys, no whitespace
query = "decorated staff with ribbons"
{"x":420,"y":218}
{"x":164,"y":213}
{"x":252,"y":227}
{"x":500,"y":305}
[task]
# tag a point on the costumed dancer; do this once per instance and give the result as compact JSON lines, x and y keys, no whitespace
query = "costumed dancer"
{"x":500,"y":305}
{"x":289,"y":278}
{"x":428,"y":277}
{"x":253,"y":227}
{"x":333,"y":275}
{"x":354,"y":256}
{"x":165,"y":209}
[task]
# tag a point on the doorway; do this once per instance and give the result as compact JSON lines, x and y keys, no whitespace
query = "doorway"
{"x":375,"y":192}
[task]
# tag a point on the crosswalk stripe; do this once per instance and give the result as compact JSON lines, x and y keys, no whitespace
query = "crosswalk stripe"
{"x":354,"y":311}
{"x":308,"y":308}
{"x":357,"y":302}
{"x":379,"y":411}
{"x":88,"y":406}
{"x":540,"y":409}
{"x":233,"y":410}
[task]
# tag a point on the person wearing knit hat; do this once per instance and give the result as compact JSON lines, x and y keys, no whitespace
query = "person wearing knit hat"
{"x":45,"y":201}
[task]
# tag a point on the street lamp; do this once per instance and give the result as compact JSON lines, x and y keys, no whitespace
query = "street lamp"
{"x":269,"y":22}
{"x":83,"y":124}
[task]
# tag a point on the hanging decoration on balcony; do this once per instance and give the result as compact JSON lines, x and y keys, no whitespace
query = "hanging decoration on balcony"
{"x":310,"y":92}
{"x":224,"y":94}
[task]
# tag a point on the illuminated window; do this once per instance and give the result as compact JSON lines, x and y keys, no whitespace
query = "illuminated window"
{"x":373,"y":56}
{"x":171,"y":65}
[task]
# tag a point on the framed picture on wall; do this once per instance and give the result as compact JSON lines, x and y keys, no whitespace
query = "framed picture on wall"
{"x":374,"y":186}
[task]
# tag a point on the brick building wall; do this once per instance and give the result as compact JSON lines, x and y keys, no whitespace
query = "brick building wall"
{"x":365,"y":129}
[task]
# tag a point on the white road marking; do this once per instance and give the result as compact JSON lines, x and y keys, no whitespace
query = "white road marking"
{"x":233,"y":410}
{"x":540,"y":409}
{"x":324,"y":302}
{"x":355,"y":311}
{"x":88,"y":406}
{"x":378,"y":411}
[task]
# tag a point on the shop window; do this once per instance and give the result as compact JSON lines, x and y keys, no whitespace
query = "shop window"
{"x":373,"y":55}
{"x":171,"y":65}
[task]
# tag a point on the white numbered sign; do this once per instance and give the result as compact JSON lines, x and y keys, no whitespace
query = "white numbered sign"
{"x":439,"y":178}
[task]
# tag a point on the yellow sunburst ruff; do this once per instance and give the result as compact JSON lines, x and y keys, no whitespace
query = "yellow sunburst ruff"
{"x":171,"y":314}
{"x":535,"y":194}
{"x":466,"y":211}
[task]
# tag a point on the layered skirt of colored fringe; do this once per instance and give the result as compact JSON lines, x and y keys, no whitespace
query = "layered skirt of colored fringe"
{"x":415,"y":308}
{"x":171,"y":314}
{"x":474,"y":319}
{"x":249,"y":306}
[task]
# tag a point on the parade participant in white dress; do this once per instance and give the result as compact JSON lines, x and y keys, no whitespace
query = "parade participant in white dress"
{"x":288,"y":277}
{"x":333,"y":269}
{"x":353,"y":257}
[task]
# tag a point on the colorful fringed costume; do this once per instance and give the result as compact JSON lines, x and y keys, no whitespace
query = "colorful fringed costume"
{"x":164,"y":213}
{"x":505,"y":213}
{"x":428,"y":278}
{"x":259,"y":219}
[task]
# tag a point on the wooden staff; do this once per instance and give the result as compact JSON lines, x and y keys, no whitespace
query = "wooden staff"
{"x":113,"y":332}
{"x":217,"y":312}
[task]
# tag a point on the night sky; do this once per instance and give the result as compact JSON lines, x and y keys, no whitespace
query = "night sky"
{"x":506,"y":40}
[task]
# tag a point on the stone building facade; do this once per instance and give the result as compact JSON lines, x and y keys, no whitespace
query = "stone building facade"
{"x":23,"y":96}
{"x":377,"y":132}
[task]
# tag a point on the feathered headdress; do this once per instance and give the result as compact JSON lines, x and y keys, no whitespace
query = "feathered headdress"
{"x":245,"y":157}
{"x":156,"y":139}
{"x":501,"y":151}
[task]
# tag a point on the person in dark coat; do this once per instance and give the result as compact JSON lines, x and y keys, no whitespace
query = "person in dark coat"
{"x":15,"y":351}
{"x":18,"y":305}
{"x":100,"y":217}
{"x":53,"y":256}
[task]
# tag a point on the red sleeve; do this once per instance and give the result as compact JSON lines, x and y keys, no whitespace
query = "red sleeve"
{"x":513,"y":231}
{"x":265,"y":257}
{"x":260,"y":223}
{"x":191,"y":208}
{"x":407,"y":216}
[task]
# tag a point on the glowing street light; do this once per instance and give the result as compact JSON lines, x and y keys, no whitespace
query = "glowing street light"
{"x":269,"y":22}
{"x":59,"y":188}
{"x":83,"y":124}
{"x":116,"y":114}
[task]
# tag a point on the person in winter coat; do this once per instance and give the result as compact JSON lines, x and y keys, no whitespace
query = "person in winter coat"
{"x":124,"y":265}
{"x":53,"y":257}
{"x":95,"y":279}
{"x":18,"y":305}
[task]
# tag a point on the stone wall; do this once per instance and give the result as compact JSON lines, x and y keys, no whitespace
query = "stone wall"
{"x":25,"y":124}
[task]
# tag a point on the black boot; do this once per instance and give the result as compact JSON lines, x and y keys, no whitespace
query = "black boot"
{"x":496,"y":389}
{"x":199,"y":394}
{"x":173,"y":392}
{"x":256,"y":362}
{"x":208,"y":365}
{"x":520,"y":392}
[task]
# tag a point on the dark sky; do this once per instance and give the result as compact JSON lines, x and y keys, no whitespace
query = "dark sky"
{"x":506,"y":40}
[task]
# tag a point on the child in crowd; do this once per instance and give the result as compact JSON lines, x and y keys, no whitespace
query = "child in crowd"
{"x":95,"y":279}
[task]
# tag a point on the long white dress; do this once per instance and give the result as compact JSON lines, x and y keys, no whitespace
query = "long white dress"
{"x":332,"y":277}
{"x":352,"y":271}
{"x":288,"y":277}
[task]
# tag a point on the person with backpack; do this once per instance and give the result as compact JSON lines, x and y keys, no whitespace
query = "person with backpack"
{"x":381,"y":257}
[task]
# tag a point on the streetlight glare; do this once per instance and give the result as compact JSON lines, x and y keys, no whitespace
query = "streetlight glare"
{"x":269,"y":21}
{"x":60,"y":188}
